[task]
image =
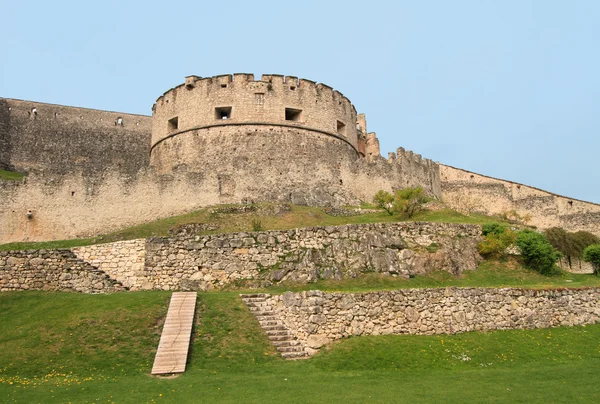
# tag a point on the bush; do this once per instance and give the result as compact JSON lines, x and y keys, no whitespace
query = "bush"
{"x":493,"y":228}
{"x":497,"y":238}
{"x":537,"y":251}
{"x":410,"y":200}
{"x":384,"y":200}
{"x":592,"y":254}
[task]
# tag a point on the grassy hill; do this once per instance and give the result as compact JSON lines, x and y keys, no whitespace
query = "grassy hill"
{"x":64,"y":347}
{"x":67,"y":347}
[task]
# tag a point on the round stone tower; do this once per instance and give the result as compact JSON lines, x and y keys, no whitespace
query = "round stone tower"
{"x":277,"y":138}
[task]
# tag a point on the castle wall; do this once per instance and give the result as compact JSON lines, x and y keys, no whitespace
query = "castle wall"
{"x":316,"y":318}
{"x":194,"y":105}
{"x":60,"y":140}
{"x":5,"y":144}
{"x":494,"y":196}
{"x":264,"y":163}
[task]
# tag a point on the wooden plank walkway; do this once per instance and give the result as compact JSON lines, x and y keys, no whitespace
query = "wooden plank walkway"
{"x":175,"y":338}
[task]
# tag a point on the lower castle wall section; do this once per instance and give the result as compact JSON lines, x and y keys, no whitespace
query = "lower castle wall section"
{"x":463,"y":189}
{"x":317,"y":317}
{"x":52,"y":270}
{"x":309,"y":254}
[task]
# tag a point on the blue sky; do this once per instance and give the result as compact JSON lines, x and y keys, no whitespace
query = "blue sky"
{"x":508,"y":88}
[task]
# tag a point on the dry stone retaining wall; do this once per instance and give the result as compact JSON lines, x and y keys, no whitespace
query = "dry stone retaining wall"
{"x":309,"y":254}
{"x":122,"y":260}
{"x":317,"y":317}
{"x":52,"y":270}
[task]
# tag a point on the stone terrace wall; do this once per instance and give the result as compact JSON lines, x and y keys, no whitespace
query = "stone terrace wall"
{"x":308,"y":254}
{"x":52,"y":270}
{"x":122,"y":260}
{"x":317,"y":318}
{"x":495,"y":196}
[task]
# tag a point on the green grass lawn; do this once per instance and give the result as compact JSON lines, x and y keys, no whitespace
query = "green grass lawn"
{"x":66,"y":347}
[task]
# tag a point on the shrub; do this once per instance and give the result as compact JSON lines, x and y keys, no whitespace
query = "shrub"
{"x":409,"y":201}
{"x":493,"y":228}
{"x":384,"y":200}
{"x":257,"y":225}
{"x":592,"y":254}
{"x":497,"y":238}
{"x":537,"y":251}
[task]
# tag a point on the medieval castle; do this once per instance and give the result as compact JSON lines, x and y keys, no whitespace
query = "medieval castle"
{"x":224,"y":139}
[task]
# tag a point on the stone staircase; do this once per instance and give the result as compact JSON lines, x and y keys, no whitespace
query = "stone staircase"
{"x":279,"y":335}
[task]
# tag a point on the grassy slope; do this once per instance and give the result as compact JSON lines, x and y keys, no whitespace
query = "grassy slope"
{"x":59,"y":347}
{"x":300,"y":216}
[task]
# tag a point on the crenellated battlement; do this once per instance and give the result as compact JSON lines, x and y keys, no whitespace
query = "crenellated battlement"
{"x":403,"y":156}
{"x":234,"y":99}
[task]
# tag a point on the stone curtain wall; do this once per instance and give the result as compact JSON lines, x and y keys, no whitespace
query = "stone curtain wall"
{"x":52,"y":270}
{"x":122,"y":260}
{"x":308,"y":254}
{"x":317,"y":318}
{"x":492,"y":196}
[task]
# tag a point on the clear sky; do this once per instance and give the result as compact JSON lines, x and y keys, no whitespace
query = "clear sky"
{"x":506,"y":88}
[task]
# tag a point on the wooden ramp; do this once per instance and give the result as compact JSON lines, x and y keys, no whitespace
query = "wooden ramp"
{"x":175,"y":338}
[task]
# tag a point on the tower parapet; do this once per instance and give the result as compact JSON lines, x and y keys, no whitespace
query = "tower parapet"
{"x":239,"y":99}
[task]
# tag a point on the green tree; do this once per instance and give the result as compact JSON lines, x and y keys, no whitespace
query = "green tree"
{"x":537,"y":252}
{"x":591,"y":254}
{"x":570,"y":245}
{"x":409,"y":201}
{"x":384,"y":200}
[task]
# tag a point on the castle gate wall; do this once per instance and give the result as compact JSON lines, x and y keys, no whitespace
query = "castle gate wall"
{"x":494,"y":196}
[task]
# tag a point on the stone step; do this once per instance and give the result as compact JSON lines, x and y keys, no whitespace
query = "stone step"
{"x":269,"y":322}
{"x":266,"y":318}
{"x":279,"y":338}
{"x":254,"y":299}
{"x":254,"y":295}
{"x":277,"y":333}
{"x":288,"y":349}
{"x":286,"y":344}
{"x":274,"y":328}
{"x":294,"y":355}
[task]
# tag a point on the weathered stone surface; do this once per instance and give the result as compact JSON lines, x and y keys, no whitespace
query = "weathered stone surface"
{"x":319,"y":317}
